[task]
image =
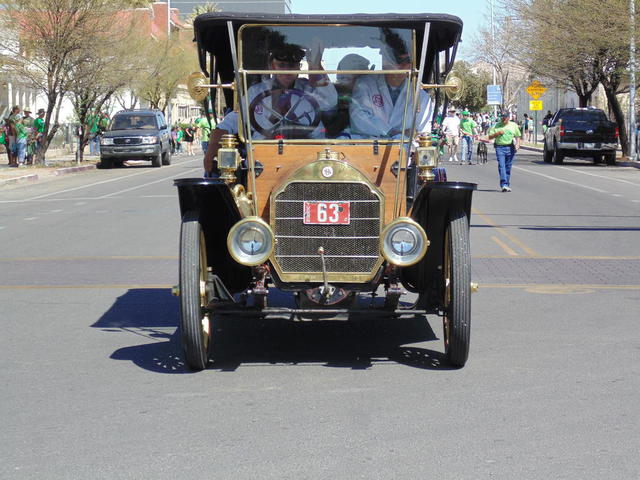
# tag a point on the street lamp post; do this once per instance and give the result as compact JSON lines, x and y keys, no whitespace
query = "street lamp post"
{"x":632,"y":82}
{"x":169,"y":116}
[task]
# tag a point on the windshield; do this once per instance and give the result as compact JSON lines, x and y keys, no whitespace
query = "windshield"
{"x":366,"y":92}
{"x":134,"y":122}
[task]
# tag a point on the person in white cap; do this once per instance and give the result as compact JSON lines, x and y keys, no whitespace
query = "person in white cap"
{"x":451,"y":129}
{"x":378,"y":105}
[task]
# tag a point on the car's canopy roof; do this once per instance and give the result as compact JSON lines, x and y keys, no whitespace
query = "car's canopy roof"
{"x":212,"y":34}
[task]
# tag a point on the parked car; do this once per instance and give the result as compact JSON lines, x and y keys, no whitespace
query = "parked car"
{"x":136,"y":135}
{"x":583,"y":133}
{"x":340,"y":226}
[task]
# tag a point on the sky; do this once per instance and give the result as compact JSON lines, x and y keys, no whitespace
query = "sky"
{"x":474,"y":13}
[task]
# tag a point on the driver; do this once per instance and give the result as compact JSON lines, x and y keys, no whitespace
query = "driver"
{"x":281,"y":101}
{"x":378,"y":104}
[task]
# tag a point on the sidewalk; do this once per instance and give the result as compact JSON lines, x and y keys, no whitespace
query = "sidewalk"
{"x":59,"y":162}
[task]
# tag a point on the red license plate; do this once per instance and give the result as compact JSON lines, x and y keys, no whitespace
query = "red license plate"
{"x":327,"y":213}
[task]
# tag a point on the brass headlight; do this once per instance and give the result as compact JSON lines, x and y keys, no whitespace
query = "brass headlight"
{"x":250,"y":241}
{"x":403,"y":242}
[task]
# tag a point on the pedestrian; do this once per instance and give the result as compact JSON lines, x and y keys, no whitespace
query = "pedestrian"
{"x":506,"y":139}
{"x":469,"y":131}
{"x":546,"y":120}
{"x":451,"y":130}
{"x":28,"y":121}
{"x":179,"y":136}
{"x":527,"y":128}
{"x":205,"y":125}
{"x":38,"y":126}
{"x":188,"y":138}
{"x":93,"y":121}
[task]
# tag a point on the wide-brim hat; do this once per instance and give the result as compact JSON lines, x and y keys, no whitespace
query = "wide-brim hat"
{"x":288,"y":53}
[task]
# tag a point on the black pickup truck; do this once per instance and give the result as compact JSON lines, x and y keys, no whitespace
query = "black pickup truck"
{"x":581,"y":132}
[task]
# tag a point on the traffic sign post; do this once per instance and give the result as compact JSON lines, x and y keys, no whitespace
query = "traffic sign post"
{"x":494,"y":94}
{"x":536,"y":90}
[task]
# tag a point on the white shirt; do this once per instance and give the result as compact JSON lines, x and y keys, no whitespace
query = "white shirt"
{"x":451,"y":125}
{"x":374,"y":115}
{"x":326,"y":96}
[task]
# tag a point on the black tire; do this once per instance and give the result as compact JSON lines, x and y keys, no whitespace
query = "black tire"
{"x":547,"y":156}
{"x":156,"y":161}
{"x":166,"y":158}
{"x":558,"y":157}
{"x":597,"y":159}
{"x":457,"y":290}
{"x":194,"y":321}
{"x":106,"y":163}
{"x":610,"y":158}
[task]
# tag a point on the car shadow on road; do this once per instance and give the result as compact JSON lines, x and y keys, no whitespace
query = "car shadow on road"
{"x":153,"y":314}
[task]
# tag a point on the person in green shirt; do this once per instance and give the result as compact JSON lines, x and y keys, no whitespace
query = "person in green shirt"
{"x":205,"y":126}
{"x":469,"y":131}
{"x":506,"y":137}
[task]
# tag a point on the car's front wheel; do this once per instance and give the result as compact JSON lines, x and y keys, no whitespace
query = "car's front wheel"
{"x":166,"y":158}
{"x":457,"y":289}
{"x":195,"y":323}
{"x":156,"y":161}
{"x":105,"y":162}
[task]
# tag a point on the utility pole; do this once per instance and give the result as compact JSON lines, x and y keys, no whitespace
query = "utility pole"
{"x":632,"y":83}
{"x":169,"y":119}
{"x":493,"y":53}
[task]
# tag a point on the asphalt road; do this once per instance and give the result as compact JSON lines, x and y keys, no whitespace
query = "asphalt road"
{"x":94,"y":385}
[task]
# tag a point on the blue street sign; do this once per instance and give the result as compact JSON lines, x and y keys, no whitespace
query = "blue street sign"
{"x":494,"y":94}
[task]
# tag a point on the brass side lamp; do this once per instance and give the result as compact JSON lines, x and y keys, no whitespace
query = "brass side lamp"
{"x":228,"y":158}
{"x":427,"y":159}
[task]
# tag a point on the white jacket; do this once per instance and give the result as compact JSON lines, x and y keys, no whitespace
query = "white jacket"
{"x":373,"y":114}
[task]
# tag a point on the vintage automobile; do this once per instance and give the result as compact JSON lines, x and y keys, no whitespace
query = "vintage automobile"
{"x":343,"y":216}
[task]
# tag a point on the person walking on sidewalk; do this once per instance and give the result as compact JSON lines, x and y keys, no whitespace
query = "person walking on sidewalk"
{"x":451,"y":130}
{"x":469,"y":131}
{"x":506,"y":137}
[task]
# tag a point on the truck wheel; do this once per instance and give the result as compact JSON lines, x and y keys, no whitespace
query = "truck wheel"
{"x":457,"y":290}
{"x":156,"y":161}
{"x":597,"y":159}
{"x":547,"y":156}
{"x":558,"y":157}
{"x":105,"y":162}
{"x":610,"y":158}
{"x":194,"y":321}
{"x":166,"y":158}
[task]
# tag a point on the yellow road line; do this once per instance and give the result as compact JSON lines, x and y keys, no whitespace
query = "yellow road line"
{"x":504,"y":246}
{"x":505,"y":232}
{"x":561,"y":257}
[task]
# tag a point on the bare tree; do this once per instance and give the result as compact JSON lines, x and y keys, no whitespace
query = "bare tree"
{"x":51,"y":38}
{"x":578,"y":43}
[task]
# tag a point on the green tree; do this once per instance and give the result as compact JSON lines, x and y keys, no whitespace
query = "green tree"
{"x":474,"y":97}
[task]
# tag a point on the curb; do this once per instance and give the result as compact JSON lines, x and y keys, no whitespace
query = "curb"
{"x":32,"y":177}
{"x":66,"y":170}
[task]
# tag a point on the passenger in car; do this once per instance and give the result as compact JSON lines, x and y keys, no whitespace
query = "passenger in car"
{"x":338,"y":125}
{"x":378,"y":104}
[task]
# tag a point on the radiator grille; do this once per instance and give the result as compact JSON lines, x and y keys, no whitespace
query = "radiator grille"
{"x":127,"y":141}
{"x":352,"y":248}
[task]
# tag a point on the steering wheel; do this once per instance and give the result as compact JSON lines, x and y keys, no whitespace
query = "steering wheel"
{"x":296,"y":116}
